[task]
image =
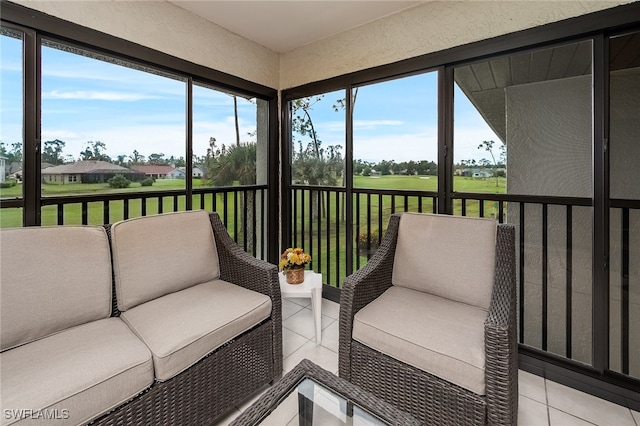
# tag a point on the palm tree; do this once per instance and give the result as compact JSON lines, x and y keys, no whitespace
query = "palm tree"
{"x":228,"y":165}
{"x":313,"y":165}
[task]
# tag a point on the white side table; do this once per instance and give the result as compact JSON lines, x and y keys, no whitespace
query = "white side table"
{"x":310,"y":287}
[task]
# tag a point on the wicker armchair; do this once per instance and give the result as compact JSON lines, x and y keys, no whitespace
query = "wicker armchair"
{"x":395,"y":335}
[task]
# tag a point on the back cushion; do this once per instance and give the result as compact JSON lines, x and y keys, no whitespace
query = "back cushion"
{"x":52,"y":279}
{"x":158,"y":255}
{"x":449,"y":256}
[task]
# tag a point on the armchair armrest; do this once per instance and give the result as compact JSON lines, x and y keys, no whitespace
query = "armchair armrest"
{"x":240,"y":268}
{"x":364,"y":286}
{"x":501,"y":340}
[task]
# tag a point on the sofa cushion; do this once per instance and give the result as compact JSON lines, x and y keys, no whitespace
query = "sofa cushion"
{"x":79,"y":373}
{"x":162,"y":254}
{"x":182,"y":327}
{"x":449,"y":256}
{"x":52,"y":279}
{"x":437,"y":335}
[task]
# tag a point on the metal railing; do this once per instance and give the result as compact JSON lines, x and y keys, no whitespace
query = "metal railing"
{"x":624,"y":343}
{"x":318,"y":224}
{"x":550,"y":231}
{"x":241,"y":208}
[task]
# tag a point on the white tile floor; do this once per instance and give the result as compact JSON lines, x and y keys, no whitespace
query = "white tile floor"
{"x":542,"y":402}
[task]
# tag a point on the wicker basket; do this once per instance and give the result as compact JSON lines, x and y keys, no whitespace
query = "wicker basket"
{"x":295,"y":276}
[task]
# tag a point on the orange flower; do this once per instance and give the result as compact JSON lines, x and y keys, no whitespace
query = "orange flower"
{"x":293,"y":258}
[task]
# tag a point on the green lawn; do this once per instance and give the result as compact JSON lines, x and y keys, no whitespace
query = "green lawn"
{"x":430,"y":183}
{"x":12,"y":218}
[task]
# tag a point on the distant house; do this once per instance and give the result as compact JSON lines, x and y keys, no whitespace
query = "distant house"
{"x":86,"y":172}
{"x":181,"y":172}
{"x":197,"y":172}
{"x":177,"y":173}
{"x":2,"y":167}
{"x":155,"y":171}
{"x":481,"y":174}
{"x":15,"y":169}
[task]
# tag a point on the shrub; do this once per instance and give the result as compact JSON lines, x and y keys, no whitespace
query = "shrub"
{"x":119,"y":181}
{"x":146,"y":181}
{"x":369,"y":240}
{"x":9,"y":183}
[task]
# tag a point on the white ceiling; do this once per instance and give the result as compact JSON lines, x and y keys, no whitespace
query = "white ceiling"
{"x":285,"y":25}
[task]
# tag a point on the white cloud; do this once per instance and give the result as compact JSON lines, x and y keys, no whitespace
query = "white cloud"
{"x":399,"y":147}
{"x":467,"y":139}
{"x":372,"y":124}
{"x":96,"y":95}
{"x":64,"y":135}
{"x":422,"y":145}
{"x":10,"y":66}
{"x":64,"y":71}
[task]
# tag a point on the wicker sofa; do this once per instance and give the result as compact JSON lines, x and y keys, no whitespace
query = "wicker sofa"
{"x":429,"y":323}
{"x":154,"y":320}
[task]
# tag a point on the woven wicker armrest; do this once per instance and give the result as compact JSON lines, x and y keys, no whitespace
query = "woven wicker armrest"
{"x":501,"y":369}
{"x":363,"y":287}
{"x":239,"y":267}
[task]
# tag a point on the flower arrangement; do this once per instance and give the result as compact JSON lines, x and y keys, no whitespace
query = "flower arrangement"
{"x":368,"y":240}
{"x":293,"y":258}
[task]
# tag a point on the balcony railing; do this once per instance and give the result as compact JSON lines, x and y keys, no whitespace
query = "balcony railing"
{"x":242,"y":210}
{"x":554,"y":253}
{"x":554,"y":246}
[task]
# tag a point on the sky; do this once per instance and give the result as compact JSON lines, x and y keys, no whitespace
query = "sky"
{"x":86,"y":99}
{"x":398,"y":120}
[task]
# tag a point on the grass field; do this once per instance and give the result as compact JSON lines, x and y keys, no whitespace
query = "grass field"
{"x":12,"y":218}
{"x":311,"y":233}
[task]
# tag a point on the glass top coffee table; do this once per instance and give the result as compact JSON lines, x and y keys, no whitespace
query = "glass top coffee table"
{"x":309,"y":395}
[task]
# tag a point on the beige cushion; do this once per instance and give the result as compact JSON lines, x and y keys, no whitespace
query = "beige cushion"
{"x":86,"y":370}
{"x":158,"y":255}
{"x":437,"y":335}
{"x":52,"y":279}
{"x":181,"y":328}
{"x":449,"y":256}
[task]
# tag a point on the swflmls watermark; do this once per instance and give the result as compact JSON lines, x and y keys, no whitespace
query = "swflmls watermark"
{"x":46,"y":414}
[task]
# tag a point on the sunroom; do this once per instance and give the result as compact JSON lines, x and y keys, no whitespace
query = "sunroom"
{"x":524,"y":112}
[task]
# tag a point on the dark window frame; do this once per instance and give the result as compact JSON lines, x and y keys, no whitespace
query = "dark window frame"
{"x":597,"y":27}
{"x":37,"y":26}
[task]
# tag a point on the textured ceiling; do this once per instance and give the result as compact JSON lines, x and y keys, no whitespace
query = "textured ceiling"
{"x":285,"y":25}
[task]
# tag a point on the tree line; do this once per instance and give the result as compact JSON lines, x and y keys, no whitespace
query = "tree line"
{"x":52,"y":153}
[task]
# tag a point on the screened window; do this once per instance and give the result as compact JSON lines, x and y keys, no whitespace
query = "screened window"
{"x":11,"y":123}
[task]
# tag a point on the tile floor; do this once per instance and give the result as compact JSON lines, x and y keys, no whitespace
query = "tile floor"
{"x":542,"y":402}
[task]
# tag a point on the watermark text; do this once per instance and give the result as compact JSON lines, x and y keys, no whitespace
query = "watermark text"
{"x":46,"y":414}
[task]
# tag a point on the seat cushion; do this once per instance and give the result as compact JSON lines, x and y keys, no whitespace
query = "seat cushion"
{"x":437,"y":335}
{"x":52,"y":278}
{"x":449,"y":256}
{"x":162,"y":254}
{"x":182,"y":327}
{"x":79,"y":373}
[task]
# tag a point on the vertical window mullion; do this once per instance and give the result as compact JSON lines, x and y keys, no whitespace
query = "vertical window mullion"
{"x":445,"y":139}
{"x":600,"y":314}
{"x":32,"y":71}
{"x":189,"y":145}
{"x":348,"y":167}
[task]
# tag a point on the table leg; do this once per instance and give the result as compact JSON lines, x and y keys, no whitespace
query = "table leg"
{"x":316,"y":306}
{"x":305,"y":404}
